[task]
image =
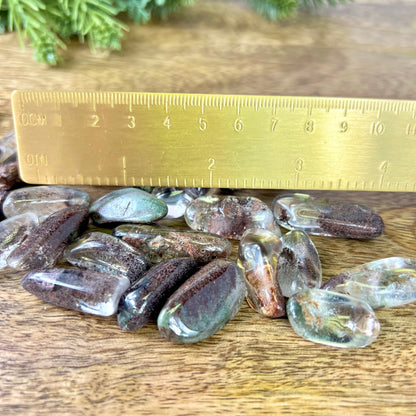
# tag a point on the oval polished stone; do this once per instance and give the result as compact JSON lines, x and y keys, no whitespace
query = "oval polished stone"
{"x":127,"y":205}
{"x":176,"y":200}
{"x":329,"y":218}
{"x":299,"y":264}
{"x":146,"y":297}
{"x":8,"y":147}
{"x":80,"y":290}
{"x":9,"y":175}
{"x":204,"y":303}
{"x":229,"y":216}
{"x":106,"y":254}
{"x":382,"y":283}
{"x":43,"y":200}
{"x":159,"y":244}
{"x":45,"y":244}
{"x":258,"y":256}
{"x":12,"y":232}
{"x":333,"y":319}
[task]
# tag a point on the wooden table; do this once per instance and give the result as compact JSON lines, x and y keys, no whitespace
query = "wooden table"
{"x":54,"y":361}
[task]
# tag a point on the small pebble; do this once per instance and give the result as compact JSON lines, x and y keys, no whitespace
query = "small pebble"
{"x":8,"y":147}
{"x":106,"y":254}
{"x":9,"y":175}
{"x":159,"y":244}
{"x":127,"y":205}
{"x":176,"y":200}
{"x":299,"y":264}
{"x":229,"y":216}
{"x":258,"y":256}
{"x":146,"y":297}
{"x":329,"y":218}
{"x":382,"y":283}
{"x":333,"y":319}
{"x":43,"y":200}
{"x":46,"y":242}
{"x":80,"y":290}
{"x":204,"y":303}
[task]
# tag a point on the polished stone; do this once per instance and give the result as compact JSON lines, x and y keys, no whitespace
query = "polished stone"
{"x":382,"y":283}
{"x":204,"y":303}
{"x":258,"y":256}
{"x":106,"y":254}
{"x":146,"y":297}
{"x":8,"y":147}
{"x":9,"y":175}
{"x":165,"y":243}
{"x":46,"y":242}
{"x":229,"y":216}
{"x":321,"y":216}
{"x":44,"y":200}
{"x":333,"y":319}
{"x":299,"y":264}
{"x":176,"y":200}
{"x":127,"y":205}
{"x":12,"y":232}
{"x":80,"y":290}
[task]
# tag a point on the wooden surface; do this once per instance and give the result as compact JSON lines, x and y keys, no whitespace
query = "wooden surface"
{"x":54,"y":361}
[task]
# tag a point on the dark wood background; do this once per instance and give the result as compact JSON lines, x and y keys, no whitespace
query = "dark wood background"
{"x":54,"y":361}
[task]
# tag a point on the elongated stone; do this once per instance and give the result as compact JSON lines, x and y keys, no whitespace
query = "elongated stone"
{"x":258,"y":256}
{"x":9,"y":175}
{"x":159,"y":244}
{"x":329,"y":218}
{"x":128,"y":205}
{"x":204,"y":303}
{"x":80,"y":290}
{"x":8,"y":147}
{"x":229,"y":216}
{"x":176,"y":200}
{"x":106,"y":254}
{"x":12,"y":232}
{"x":331,"y":318}
{"x":146,"y":297}
{"x":382,"y":283}
{"x":299,"y":264}
{"x":45,"y":244}
{"x":44,"y":200}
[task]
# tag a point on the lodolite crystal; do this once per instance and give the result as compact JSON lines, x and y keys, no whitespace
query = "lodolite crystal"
{"x":80,"y":290}
{"x":329,"y":218}
{"x":127,"y":205}
{"x":204,"y":303}
{"x":164,"y":243}
{"x":8,"y":147}
{"x":331,"y":318}
{"x":258,"y":256}
{"x":229,"y":216}
{"x":382,"y":283}
{"x":299,"y":264}
{"x":176,"y":200}
{"x":146,"y":297}
{"x":106,"y":254}
{"x":43,"y":200}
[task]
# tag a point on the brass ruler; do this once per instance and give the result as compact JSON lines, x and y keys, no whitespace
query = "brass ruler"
{"x":196,"y":140}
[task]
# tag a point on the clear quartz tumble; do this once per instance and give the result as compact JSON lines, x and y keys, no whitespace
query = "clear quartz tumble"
{"x":176,"y":200}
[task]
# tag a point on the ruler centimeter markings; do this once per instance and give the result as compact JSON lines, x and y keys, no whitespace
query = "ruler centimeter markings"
{"x":200,"y":140}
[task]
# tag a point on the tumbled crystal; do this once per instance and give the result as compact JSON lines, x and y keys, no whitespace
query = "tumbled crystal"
{"x":128,"y":205}
{"x":45,"y":244}
{"x":9,"y":175}
{"x":8,"y":147}
{"x":80,"y":290}
{"x":329,"y":218}
{"x":299,"y":264}
{"x":204,"y":303}
{"x":176,"y":200}
{"x":331,"y":318}
{"x":229,"y":216}
{"x":12,"y":232}
{"x":196,"y":192}
{"x":258,"y":256}
{"x":44,"y":200}
{"x":382,"y":283}
{"x":146,"y":297}
{"x":159,"y":243}
{"x":106,"y":254}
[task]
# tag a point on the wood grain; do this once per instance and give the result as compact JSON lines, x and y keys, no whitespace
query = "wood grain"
{"x":55,"y":361}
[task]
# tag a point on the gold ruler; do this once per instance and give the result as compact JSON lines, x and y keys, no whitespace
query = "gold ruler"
{"x":234,"y":141}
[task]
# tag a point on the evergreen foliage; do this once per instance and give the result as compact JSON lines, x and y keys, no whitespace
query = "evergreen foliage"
{"x":48,"y":24}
